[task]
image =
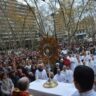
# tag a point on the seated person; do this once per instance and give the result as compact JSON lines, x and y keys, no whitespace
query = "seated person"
{"x":22,"y":87}
{"x":83,"y":80}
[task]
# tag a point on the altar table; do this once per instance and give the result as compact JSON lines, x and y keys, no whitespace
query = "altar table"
{"x":63,"y":89}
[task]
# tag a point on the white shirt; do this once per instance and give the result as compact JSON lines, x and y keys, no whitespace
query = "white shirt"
{"x":87,"y":57}
{"x":81,"y":58}
{"x":95,"y":57}
{"x":93,"y":66}
{"x":59,"y":77}
{"x":88,"y":93}
{"x":64,"y":73}
{"x":69,"y":76}
{"x":74,"y":63}
{"x":64,"y":51}
{"x":41,"y":75}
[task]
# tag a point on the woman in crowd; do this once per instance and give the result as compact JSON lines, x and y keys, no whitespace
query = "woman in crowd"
{"x":7,"y":85}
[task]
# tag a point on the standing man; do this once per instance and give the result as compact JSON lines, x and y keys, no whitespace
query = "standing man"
{"x":41,"y":72}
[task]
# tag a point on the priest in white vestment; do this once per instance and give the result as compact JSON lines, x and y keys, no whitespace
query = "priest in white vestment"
{"x":59,"y":76}
{"x":74,"y":62}
{"x":68,"y":74}
{"x":41,"y":72}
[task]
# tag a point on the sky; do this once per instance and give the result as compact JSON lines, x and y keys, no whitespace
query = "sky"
{"x":44,"y":7}
{"x":40,"y":2}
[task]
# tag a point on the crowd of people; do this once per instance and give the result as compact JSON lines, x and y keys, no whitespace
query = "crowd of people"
{"x":19,"y":68}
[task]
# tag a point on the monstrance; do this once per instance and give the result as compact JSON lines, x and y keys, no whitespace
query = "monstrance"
{"x":49,"y":83}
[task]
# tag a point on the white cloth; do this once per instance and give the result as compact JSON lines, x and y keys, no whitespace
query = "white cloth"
{"x":65,"y":75}
{"x":74,"y":63}
{"x":90,"y":64}
{"x":81,"y":58}
{"x":87,"y":58}
{"x":63,"y":89}
{"x":69,"y":76}
{"x":59,"y":77}
{"x":94,"y":57}
{"x":41,"y":75}
{"x":88,"y":93}
{"x":93,"y":66}
{"x":64,"y":51}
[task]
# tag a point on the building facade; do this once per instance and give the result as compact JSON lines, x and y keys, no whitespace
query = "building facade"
{"x":18,"y":25}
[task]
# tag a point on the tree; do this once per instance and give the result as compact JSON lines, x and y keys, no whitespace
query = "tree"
{"x":73,"y":14}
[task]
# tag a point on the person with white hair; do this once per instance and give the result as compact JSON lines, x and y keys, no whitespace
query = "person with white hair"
{"x":23,"y":83}
{"x":22,"y":87}
{"x":41,"y":72}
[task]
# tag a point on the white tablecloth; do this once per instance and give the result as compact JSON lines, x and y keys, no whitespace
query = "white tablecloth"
{"x":63,"y":89}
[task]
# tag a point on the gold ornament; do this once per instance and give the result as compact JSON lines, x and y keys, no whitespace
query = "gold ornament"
{"x":49,"y":49}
